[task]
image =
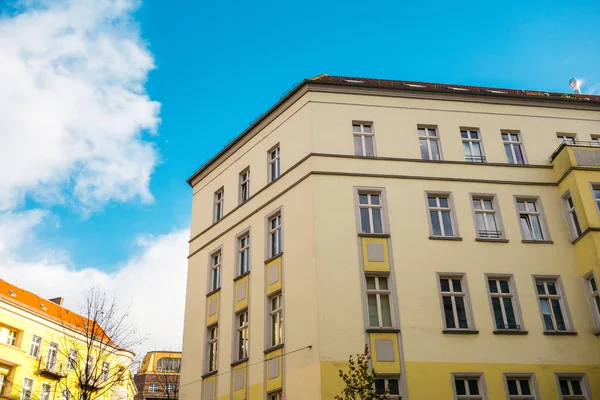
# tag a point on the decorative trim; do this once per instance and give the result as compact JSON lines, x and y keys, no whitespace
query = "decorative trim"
{"x":237,"y":278}
{"x":217,"y":290}
{"x":455,"y":238}
{"x":276,"y":256}
{"x":383,"y":330}
{"x":211,"y":373}
{"x":460,"y":332}
{"x":538,"y":241}
{"x":555,"y":333}
{"x":273,"y":348}
{"x":510,"y":332}
{"x":374,"y":235}
{"x":491,"y":240}
{"x":238,"y":362}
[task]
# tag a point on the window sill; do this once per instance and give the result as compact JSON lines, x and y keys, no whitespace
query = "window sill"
{"x":455,"y":238}
{"x":217,"y":290}
{"x":211,"y":373}
{"x":270,"y":349}
{"x":374,"y":235}
{"x":510,"y":332}
{"x":538,"y":241}
{"x":491,"y":240}
{"x":383,"y":330}
{"x":460,"y":331}
{"x":238,"y":362}
{"x":560,"y":333}
{"x":276,"y":256}
{"x":237,"y":278}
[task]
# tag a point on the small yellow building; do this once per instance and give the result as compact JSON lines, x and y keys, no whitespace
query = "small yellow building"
{"x":44,"y":349}
{"x":455,"y":229}
{"x":158,"y":376}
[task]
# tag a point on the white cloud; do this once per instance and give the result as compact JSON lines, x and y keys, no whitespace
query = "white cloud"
{"x":73,"y":106}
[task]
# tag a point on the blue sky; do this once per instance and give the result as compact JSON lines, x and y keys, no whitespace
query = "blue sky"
{"x":217,"y":66}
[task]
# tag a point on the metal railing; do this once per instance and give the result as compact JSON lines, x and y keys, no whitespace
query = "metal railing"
{"x":490,"y":234}
{"x":475,"y":159}
{"x":578,"y":143}
{"x":509,"y":327}
{"x":52,"y":367}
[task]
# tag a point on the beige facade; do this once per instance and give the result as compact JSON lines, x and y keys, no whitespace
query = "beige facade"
{"x":331,"y":279}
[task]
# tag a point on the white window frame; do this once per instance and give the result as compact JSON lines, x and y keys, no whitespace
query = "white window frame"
{"x":582,"y":378}
{"x":512,"y":144}
{"x":562,"y":300}
{"x":38,"y":346}
{"x":45,"y":391}
{"x":170,"y":388}
{"x":521,"y":377}
{"x":487,"y":234}
{"x":529,"y":234}
{"x":386,"y":381}
{"x":274,"y":158}
{"x":244,"y":186}
{"x":275,"y":238}
{"x":571,"y":214}
{"x":429,"y":140}
{"x":10,"y":335}
{"x":370,"y":206}
{"x":153,"y":388}
{"x":569,"y":138}
{"x":215,"y":270}
{"x":242,"y":339}
{"x":471,"y":157}
{"x":52,"y":350}
{"x":595,"y":186}
{"x":359,"y":131}
{"x":275,"y":324}
{"x":72,"y":359}
{"x":464,"y":293}
{"x":243,"y":243}
{"x":105,"y":373}
{"x":593,"y":297}
{"x":469,"y":376}
{"x":26,"y":392}
{"x":378,"y":293}
{"x":514,"y":299}
{"x":212,"y":348}
{"x":219,"y":208}
{"x":439,"y":210}
{"x":275,"y":396}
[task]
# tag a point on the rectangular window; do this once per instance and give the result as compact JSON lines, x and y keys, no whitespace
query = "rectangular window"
{"x":120,"y":375}
{"x":90,"y":366}
{"x":51,"y":363}
{"x":105,"y":371}
{"x":244,"y":254}
{"x":572,"y":219}
{"x":170,"y":388}
{"x":371,"y":210}
{"x":596,"y":192}
{"x":455,"y":302}
{"x":3,"y":383}
{"x":242,"y":335}
{"x":274,"y":164}
{"x":513,"y":148}
{"x":364,"y":140}
{"x":472,"y":145}
{"x":275,"y":396}
{"x":392,"y":384}
{"x":275,"y":244}
{"x":215,"y":271}
{"x":440,"y":215}
{"x":552,"y":305}
{"x":26,"y":389}
{"x":245,"y":185}
{"x":8,"y":336}
{"x":487,"y":220}
{"x":573,"y":387}
{"x":34,"y":349}
{"x":45,"y":391}
{"x":72,"y":359}
{"x":378,"y":301}
{"x":213,"y":336}
{"x":469,"y":387}
{"x":276,"y":321}
{"x":594,"y":296}
{"x":429,"y":143}
{"x":595,"y":140}
{"x":219,"y":198}
{"x":568,"y":138}
{"x":520,"y":387}
{"x":153,"y":388}
{"x":504,"y":303}
{"x":531,"y":221}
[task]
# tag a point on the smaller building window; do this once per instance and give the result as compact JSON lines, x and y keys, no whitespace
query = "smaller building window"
{"x":455,"y":302}
{"x":468,"y":387}
{"x":219,"y":199}
{"x":552,"y":307}
{"x":392,"y":384}
{"x":72,"y":359}
{"x":572,"y":219}
{"x":472,"y":145}
{"x":105,"y":371}
{"x":520,"y":387}
{"x":212,"y":348}
{"x":371,"y":210}
{"x":170,"y":388}
{"x":51,"y":361}
{"x":276,"y":321}
{"x":531,"y":221}
{"x":504,"y":303}
{"x":34,"y":349}
{"x":8,"y":336}
{"x":568,"y":138}
{"x":596,"y":193}
{"x":513,"y":147}
{"x":487,"y":220}
{"x":244,"y":254}
{"x":45,"y":391}
{"x":573,"y":387}
{"x":275,"y":243}
{"x":26,"y":389}
{"x":168,"y":364}
{"x":153,"y":388}
{"x":378,"y":301}
{"x":215,"y":271}
{"x":594,"y":296}
{"x":429,"y":143}
{"x":245,"y":185}
{"x":440,"y":215}
{"x":364,"y":140}
{"x":274,"y":164}
{"x":275,"y":396}
{"x":242,"y":335}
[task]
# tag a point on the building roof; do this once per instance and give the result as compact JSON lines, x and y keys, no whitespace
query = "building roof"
{"x":409,"y":86}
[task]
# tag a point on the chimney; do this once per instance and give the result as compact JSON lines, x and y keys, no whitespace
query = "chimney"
{"x":57,"y":300}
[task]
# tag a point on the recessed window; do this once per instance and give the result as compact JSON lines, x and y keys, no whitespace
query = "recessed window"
{"x":244,"y":254}
{"x":170,"y":388}
{"x":26,"y":389}
{"x":168,"y":364}
{"x":469,"y":387}
{"x":513,"y":147}
{"x":455,"y":302}
{"x":594,"y":296}
{"x":573,"y":387}
{"x":215,"y":271}
{"x":105,"y":371}
{"x":504,"y":303}
{"x":552,"y":305}
{"x":429,"y":144}
{"x":72,"y":359}
{"x":153,"y":388}
{"x":274,"y":163}
{"x":275,"y":396}
{"x":35,"y":347}
{"x":392,"y":384}
{"x":531,"y":221}
{"x":364,"y":140}
{"x":440,"y":215}
{"x":45,"y":391}
{"x":276,"y":320}
{"x":472,"y":145}
{"x":8,"y":336}
{"x":371,"y":210}
{"x":572,"y":219}
{"x":275,"y":243}
{"x":378,"y":300}
{"x":596,"y":193}
{"x":219,"y":203}
{"x":242,"y":342}
{"x":567,"y":138}
{"x":245,"y":185}
{"x":212,"y":340}
{"x":520,"y":387}
{"x":487,"y":219}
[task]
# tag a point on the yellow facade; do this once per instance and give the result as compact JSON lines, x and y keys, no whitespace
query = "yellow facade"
{"x":20,"y":363}
{"x":329,"y":265}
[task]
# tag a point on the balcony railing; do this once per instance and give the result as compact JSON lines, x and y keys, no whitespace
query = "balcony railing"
{"x":509,"y":327}
{"x":490,"y":234}
{"x":576,"y":143}
{"x":475,"y":159}
{"x":52,"y":368}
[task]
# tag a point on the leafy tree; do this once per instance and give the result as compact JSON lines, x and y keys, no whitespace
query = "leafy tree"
{"x":360,"y":380}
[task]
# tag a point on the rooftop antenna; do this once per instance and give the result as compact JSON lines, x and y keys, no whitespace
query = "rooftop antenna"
{"x":575,"y":85}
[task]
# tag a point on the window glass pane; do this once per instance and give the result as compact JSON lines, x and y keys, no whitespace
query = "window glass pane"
{"x":460,"y":387}
{"x":444,"y":202}
{"x":386,"y":314}
{"x":461,"y":313}
{"x":424,"y":149}
{"x":474,"y":135}
{"x":421,"y":131}
{"x":519,"y":154}
{"x":383,"y":284}
{"x":456,"y":285}
{"x":477,"y":149}
{"x":432,"y":202}
{"x":365,"y":226}
{"x":447,"y":223}
{"x":358,"y":146}
{"x":540,"y":287}
{"x":514,"y":137}
{"x":505,"y":137}
{"x":477,"y":204}
{"x":597,"y":299}
{"x":576,"y":386}
{"x":380,"y":386}
{"x":463,"y":134}
{"x":551,"y":288}
{"x":363,"y":198}
{"x":525,"y":389}
{"x":467,"y":148}
{"x":377,"y":226}
{"x":548,"y":324}
{"x":375,"y":199}
{"x":498,"y":318}
{"x":448,"y":312}
{"x":367,"y":128}
{"x":509,"y":156}
{"x":558,"y":316}
{"x":564,"y":387}
{"x":525,"y":227}
{"x":371,"y":282}
{"x":512,"y":386}
{"x":373,"y":317}
{"x":445,"y":284}
{"x":504,"y":287}
{"x":593,"y":284}
{"x":521,"y":205}
{"x":369,"y":148}
{"x":493,"y":286}
{"x":488,"y":205}
{"x":511,"y":320}
{"x":355,"y":128}
{"x":435,"y":223}
{"x":394,"y":387}
{"x":473,"y":386}
{"x":480,"y":223}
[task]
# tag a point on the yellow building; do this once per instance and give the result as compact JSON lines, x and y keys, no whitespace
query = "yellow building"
{"x":454,"y":229}
{"x":158,"y":376}
{"x":44,"y":350}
